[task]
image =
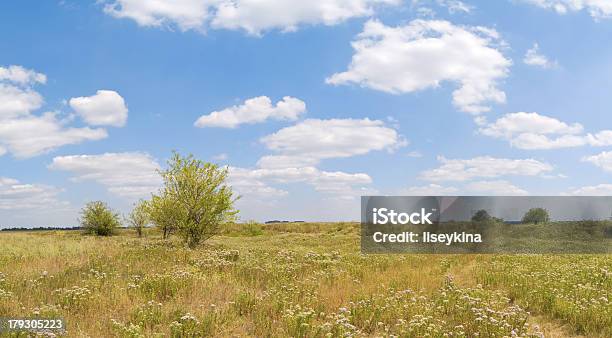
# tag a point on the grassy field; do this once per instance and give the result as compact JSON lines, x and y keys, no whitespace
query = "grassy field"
{"x":298,"y":280}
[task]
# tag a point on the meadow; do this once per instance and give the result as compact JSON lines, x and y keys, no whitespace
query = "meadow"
{"x":295,"y":280}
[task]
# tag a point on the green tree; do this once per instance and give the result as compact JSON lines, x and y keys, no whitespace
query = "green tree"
{"x":536,"y":215}
{"x":199,"y":195}
{"x":163,"y":213}
{"x":481,"y":216}
{"x":98,"y":219}
{"x":139,"y":217}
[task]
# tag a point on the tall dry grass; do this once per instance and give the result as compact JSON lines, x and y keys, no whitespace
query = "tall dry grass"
{"x":299,"y":280}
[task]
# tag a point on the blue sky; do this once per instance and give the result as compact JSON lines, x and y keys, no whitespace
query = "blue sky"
{"x":324,"y":103}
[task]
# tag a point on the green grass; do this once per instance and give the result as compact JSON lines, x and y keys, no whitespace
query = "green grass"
{"x":298,"y":280}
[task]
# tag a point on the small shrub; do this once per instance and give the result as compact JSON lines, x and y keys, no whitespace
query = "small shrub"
{"x":481,"y":216}
{"x":535,"y":216}
{"x":98,"y":219}
{"x":139,"y":217}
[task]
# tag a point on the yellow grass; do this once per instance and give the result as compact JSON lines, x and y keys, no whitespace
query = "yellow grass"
{"x":294,"y":280}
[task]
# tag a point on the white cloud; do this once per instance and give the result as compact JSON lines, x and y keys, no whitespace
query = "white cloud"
{"x":310,"y":141}
{"x":539,"y":141}
{"x":600,"y":139}
{"x":425,"y":12}
{"x":535,"y":131}
{"x":598,"y":9}
{"x":129,"y":175}
{"x":494,"y":187}
{"x":251,"y":16}
{"x":453,"y":6}
{"x":20,"y":196}
{"x":341,"y":184}
{"x":22,"y":76}
{"x":533,"y":57}
{"x":105,"y":108}
{"x":25,"y":134}
{"x":185,"y":14}
{"x":252,"y":188}
{"x":257,"y":181}
{"x":254,"y":110}
{"x":429,"y":190}
{"x":255,"y":16}
{"x":533,"y":123}
{"x":34,"y":135}
{"x":602,"y":160}
{"x":423,"y":54}
{"x":498,"y":187}
{"x":594,"y":190}
{"x":484,"y":166}
{"x":17,"y":101}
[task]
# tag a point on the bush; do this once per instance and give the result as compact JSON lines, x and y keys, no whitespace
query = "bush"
{"x":199,"y":197}
{"x":481,"y":216}
{"x":139,"y":217}
{"x":164,"y":214}
{"x":98,"y":219}
{"x":535,"y":216}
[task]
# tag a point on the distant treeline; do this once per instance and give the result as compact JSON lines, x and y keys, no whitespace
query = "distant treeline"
{"x":277,"y":221}
{"x":41,"y":229}
{"x":46,"y":228}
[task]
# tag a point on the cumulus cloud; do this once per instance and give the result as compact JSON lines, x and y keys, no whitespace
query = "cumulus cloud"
{"x":258,"y":181}
{"x":310,"y":141}
{"x":34,"y":135}
{"x":455,"y":6}
{"x":598,"y":9}
{"x":257,"y":16}
{"x":496,"y":187}
{"x":15,"y":195}
{"x":254,"y":110}
{"x":16,"y":95}
{"x":426,"y":53}
{"x":602,"y":138}
{"x":249,"y":187}
{"x":452,"y":6}
{"x":484,"y":167}
{"x":534,"y":131}
{"x":17,"y":101}
{"x":429,"y":190}
{"x":301,"y":147}
{"x":521,"y":122}
{"x":24,"y":133}
{"x":131,"y":175}
{"x":493,"y":187}
{"x":533,"y":57}
{"x":593,"y":190}
{"x":21,"y":75}
{"x":105,"y":108}
{"x":251,"y":16}
{"x":603,"y":160}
